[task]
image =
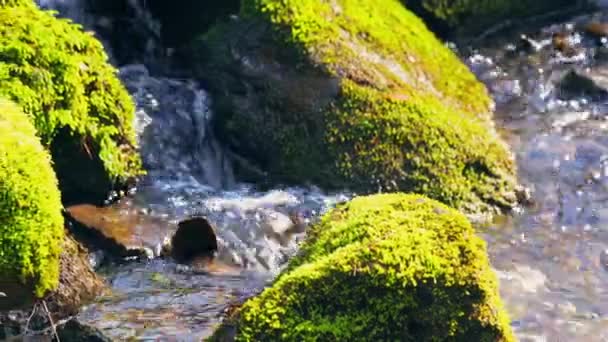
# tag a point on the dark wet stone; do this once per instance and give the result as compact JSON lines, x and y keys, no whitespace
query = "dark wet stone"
{"x":195,"y":237}
{"x":78,"y":285}
{"x":577,"y":83}
{"x":597,"y":30}
{"x":122,"y":229}
{"x":75,"y":331}
{"x":528,"y":45}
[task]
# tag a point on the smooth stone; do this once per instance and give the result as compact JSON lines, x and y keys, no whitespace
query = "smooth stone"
{"x":123,"y":230}
{"x":194,"y":238}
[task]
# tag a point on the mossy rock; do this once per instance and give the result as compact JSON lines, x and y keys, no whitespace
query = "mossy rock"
{"x":357,"y":94}
{"x":390,"y":267}
{"x":31,"y":224}
{"x":8,"y":3}
{"x":60,"y":76}
{"x":466,"y":17}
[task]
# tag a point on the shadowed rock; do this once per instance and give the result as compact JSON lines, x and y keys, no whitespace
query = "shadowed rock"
{"x":194,"y":238}
{"x":78,"y":285}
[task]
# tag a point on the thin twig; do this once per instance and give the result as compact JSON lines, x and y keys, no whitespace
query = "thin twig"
{"x":29,"y":319}
{"x":48,"y":314}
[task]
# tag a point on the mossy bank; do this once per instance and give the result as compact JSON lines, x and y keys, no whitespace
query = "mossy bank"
{"x":31,"y":224}
{"x":60,"y":76}
{"x":381,"y":268}
{"x":357,"y":94}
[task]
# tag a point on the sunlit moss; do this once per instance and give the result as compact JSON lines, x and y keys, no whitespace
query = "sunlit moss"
{"x":390,"y":267}
{"x":31,"y":224}
{"x":60,"y":76}
{"x":357,"y":94}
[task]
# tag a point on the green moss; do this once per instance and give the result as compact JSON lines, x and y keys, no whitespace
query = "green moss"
{"x":31,"y":224}
{"x":60,"y":76}
{"x":8,"y":3}
{"x":357,"y":94}
{"x":374,"y":42}
{"x":383,"y":268}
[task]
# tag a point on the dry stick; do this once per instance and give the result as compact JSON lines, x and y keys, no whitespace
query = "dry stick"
{"x":29,"y":319}
{"x":48,"y":314}
{"x":52,"y":328}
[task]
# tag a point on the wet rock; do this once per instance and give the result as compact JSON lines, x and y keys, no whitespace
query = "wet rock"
{"x":566,"y":44}
{"x":328,"y":114}
{"x":123,"y":230}
{"x":336,"y":265}
{"x":75,"y":331}
{"x":210,"y":265}
{"x":596,"y":30}
{"x":194,"y":238}
{"x":576,"y":83}
{"x":560,"y":41}
{"x":281,"y":227}
{"x":78,"y":285}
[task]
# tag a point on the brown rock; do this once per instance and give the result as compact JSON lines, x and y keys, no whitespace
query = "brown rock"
{"x":596,"y":29}
{"x":121,"y":229}
{"x":78,"y":285}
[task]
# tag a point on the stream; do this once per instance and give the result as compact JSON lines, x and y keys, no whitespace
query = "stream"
{"x":551,"y":257}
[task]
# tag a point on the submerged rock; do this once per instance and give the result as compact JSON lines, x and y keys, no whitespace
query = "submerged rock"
{"x":83,"y":114}
{"x":584,"y":83}
{"x":76,"y":331}
{"x":383,"y":267}
{"x":31,"y":226}
{"x":122,"y":229}
{"x":354,"y":95}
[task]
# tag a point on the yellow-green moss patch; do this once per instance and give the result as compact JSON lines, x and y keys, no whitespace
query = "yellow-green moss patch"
{"x":31,"y":224}
{"x":60,"y":76}
{"x":356,"y":94}
{"x":383,"y":268}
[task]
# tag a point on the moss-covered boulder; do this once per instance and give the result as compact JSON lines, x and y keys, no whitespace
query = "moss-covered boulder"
{"x":472,"y":16}
{"x":59,"y":75}
{"x":31,"y":224}
{"x":390,"y":267}
{"x":354,"y":93}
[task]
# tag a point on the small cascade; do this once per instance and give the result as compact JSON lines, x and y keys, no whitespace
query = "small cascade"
{"x":173,"y":120}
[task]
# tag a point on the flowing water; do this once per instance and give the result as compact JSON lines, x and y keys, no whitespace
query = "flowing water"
{"x":551,"y":257}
